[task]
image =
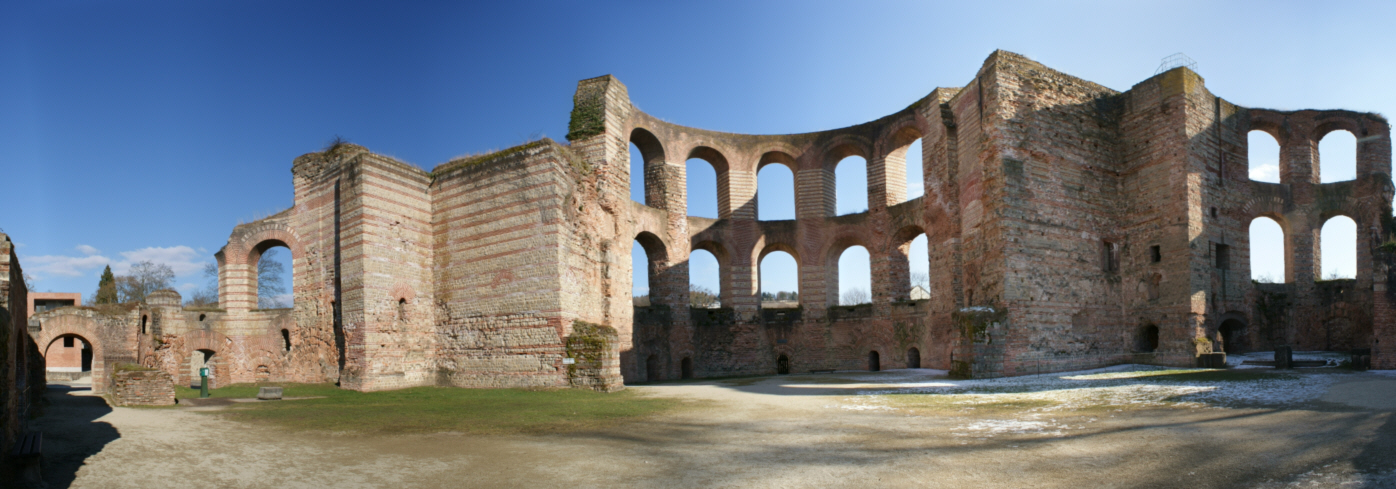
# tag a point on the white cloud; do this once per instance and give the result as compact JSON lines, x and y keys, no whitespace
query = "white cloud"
{"x":182,"y":259}
{"x":18,"y":245}
{"x":68,"y":266}
{"x":187,"y":287}
{"x":1266,"y":173}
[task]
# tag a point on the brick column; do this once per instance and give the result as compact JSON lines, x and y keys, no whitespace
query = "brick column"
{"x":237,"y":287}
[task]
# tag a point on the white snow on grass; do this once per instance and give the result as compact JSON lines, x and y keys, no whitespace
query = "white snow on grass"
{"x":1123,"y":385}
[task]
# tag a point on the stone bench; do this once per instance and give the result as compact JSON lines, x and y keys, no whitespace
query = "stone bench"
{"x":269,"y":394}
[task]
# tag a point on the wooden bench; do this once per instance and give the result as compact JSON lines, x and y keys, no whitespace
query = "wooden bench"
{"x":28,"y":455}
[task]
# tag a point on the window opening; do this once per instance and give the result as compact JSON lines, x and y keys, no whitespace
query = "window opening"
{"x":1109,"y":256}
{"x":851,"y":186}
{"x":1338,"y":248}
{"x":855,"y":277}
{"x":775,"y":193}
{"x":637,"y":175}
{"x":1263,"y":156}
{"x":640,"y":275}
{"x":702,"y":188}
{"x":704,"y":280}
{"x":286,"y":339}
{"x":780,"y":280}
{"x":1337,"y":153}
{"x":1155,"y":254}
{"x":1267,"y":247}
{"x":1223,"y":256}
{"x":915,"y":174}
{"x":919,"y":268}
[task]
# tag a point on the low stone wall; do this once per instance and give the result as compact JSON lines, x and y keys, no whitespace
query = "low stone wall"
{"x":142,"y":388}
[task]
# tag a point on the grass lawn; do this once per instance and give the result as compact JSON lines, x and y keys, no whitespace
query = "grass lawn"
{"x":441,"y":409}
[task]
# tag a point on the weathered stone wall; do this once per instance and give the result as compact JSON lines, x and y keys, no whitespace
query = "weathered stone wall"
{"x":1091,"y":226}
{"x":142,"y":388}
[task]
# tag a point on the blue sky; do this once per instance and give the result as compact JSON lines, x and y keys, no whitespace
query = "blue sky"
{"x":147,"y":130}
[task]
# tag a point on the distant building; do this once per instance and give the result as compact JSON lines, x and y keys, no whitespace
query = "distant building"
{"x":919,"y":293}
{"x":43,"y":301}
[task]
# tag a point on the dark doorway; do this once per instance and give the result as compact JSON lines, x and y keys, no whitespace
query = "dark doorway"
{"x":1233,"y":336}
{"x":913,"y":358}
{"x":783,"y":365}
{"x":1148,"y":339}
{"x":874,"y":363}
{"x":86,"y":357}
{"x":652,"y":368}
{"x":686,"y":368}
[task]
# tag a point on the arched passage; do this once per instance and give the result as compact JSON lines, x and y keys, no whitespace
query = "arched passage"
{"x":913,"y":358}
{"x":651,"y":279}
{"x":775,"y":188}
{"x":1338,"y":248}
{"x":1232,"y":333}
{"x":1337,"y":153}
{"x":275,"y":275}
{"x":1267,"y":241}
{"x":1148,"y":339}
{"x":909,"y":270}
{"x":68,"y":354}
{"x":1263,"y":156}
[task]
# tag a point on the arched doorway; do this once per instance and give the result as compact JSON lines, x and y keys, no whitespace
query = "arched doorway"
{"x":686,"y":368}
{"x":874,"y":363}
{"x":782,"y":365}
{"x":1233,"y":337}
{"x":913,"y":358}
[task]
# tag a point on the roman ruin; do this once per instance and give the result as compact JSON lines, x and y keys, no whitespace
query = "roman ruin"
{"x":1069,"y":226}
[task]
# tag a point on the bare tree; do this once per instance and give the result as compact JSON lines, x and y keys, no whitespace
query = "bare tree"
{"x":270,"y":283}
{"x":921,"y":278}
{"x":143,"y":278}
{"x":701,"y":297}
{"x":29,"y":283}
{"x":207,"y":296}
{"x":854,"y":296}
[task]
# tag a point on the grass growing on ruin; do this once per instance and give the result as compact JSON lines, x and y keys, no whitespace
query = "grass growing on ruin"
{"x":445,"y":409}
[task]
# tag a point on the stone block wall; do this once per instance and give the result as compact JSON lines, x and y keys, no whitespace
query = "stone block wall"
{"x":142,"y":388}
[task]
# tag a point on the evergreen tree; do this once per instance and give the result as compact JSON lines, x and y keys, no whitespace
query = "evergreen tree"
{"x":106,"y":288}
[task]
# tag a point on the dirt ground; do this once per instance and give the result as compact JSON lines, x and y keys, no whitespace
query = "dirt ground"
{"x":855,"y":429}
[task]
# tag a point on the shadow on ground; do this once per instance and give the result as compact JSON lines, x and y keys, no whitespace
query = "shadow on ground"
{"x":71,"y":431}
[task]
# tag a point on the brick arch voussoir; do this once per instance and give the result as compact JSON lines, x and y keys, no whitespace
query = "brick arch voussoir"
{"x":1270,"y":207}
{"x":205,"y":340}
{"x":87,"y":332}
{"x":894,"y":136}
{"x":841,"y":146}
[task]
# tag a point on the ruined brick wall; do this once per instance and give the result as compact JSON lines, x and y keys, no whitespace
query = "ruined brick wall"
{"x":142,"y":388}
{"x":20,"y":394}
{"x":1072,"y":225}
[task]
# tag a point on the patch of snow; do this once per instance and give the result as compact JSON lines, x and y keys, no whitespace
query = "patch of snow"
{"x":1009,"y":426}
{"x":977,"y":309}
{"x":1383,"y":372}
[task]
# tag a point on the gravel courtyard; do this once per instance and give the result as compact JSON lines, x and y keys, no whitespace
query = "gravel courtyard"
{"x":1125,"y":426}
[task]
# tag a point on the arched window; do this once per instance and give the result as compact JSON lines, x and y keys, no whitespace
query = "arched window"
{"x":1263,"y":156}
{"x":1267,"y":251}
{"x":780,"y":280}
{"x":855,"y":277}
{"x":1338,"y":247}
{"x":402,"y":309}
{"x":647,"y":182}
{"x":1337,"y":157}
{"x":775,"y":193}
{"x":702,"y":188}
{"x":144,"y":319}
{"x":704,"y":280}
{"x":851,"y":185}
